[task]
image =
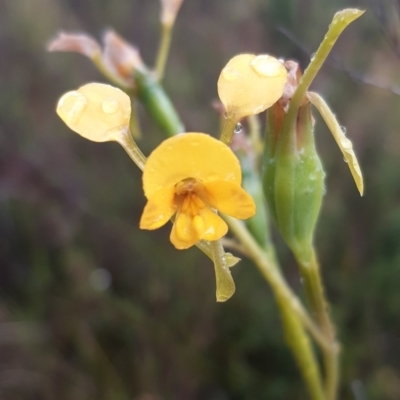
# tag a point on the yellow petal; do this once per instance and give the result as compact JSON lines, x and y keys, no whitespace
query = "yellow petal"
{"x":183,"y":234}
{"x":96,"y":111}
{"x":214,"y":227}
{"x":249,"y":84}
{"x":229,"y":198}
{"x":158,"y":210}
{"x":342,"y":141}
{"x":189,"y":155}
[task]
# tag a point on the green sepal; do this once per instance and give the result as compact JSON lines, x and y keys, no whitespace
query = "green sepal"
{"x":293,"y":178}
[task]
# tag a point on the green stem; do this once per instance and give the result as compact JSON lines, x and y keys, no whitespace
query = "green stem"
{"x":310,"y":272}
{"x":294,"y":316}
{"x":299,"y":342}
{"x":163,"y":50}
{"x":228,"y":130}
{"x":157,"y":103}
{"x":126,"y":141}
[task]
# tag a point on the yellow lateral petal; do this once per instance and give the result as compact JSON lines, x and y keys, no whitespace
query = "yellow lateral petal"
{"x":342,"y":141}
{"x":96,"y":111}
{"x":249,"y":84}
{"x":189,"y":155}
{"x":214,"y":227}
{"x":183,"y":234}
{"x":158,"y":210}
{"x":229,"y":198}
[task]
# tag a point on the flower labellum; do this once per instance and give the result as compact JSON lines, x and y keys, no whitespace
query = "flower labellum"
{"x":193,"y":175}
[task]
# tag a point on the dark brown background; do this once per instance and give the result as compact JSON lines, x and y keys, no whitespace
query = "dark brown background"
{"x":69,"y":212}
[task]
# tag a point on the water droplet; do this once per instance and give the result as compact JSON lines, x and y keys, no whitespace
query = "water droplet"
{"x":266,"y":66}
{"x":346,"y":144}
{"x":344,"y":130}
{"x":209,"y":231}
{"x":110,"y":105}
{"x":71,"y":107}
{"x":238,"y":128}
{"x":312,"y":56}
{"x":230,"y":74}
{"x":345,"y":160}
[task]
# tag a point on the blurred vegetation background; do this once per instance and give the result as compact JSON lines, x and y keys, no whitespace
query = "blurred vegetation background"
{"x":93,"y":308}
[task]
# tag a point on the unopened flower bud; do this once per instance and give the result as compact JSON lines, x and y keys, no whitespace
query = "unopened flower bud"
{"x":75,"y":42}
{"x":249,"y":84}
{"x":96,"y":111}
{"x":169,"y":11}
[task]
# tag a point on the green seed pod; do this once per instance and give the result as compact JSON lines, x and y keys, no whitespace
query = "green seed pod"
{"x":293,"y":178}
{"x":157,"y":103}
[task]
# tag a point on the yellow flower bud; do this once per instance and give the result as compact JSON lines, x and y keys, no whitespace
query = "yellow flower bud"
{"x":249,"y":84}
{"x":96,"y":111}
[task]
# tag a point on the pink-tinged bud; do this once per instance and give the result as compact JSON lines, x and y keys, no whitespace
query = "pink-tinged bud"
{"x":78,"y":43}
{"x":169,"y":11}
{"x":119,"y":56}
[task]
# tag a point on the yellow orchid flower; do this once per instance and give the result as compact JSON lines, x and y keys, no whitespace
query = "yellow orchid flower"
{"x":193,"y":175}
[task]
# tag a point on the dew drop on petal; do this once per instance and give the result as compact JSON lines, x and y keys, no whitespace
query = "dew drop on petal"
{"x":71,"y":107}
{"x":312,"y":57}
{"x":230,"y":74}
{"x":343,"y":128}
{"x":110,"y":105}
{"x":266,"y":66}
{"x":209,"y":231}
{"x":238,"y":128}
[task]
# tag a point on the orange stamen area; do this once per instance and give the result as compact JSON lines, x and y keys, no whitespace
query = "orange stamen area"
{"x":193,"y":220}
{"x":188,"y":193}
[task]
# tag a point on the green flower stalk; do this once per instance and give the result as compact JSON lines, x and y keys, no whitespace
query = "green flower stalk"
{"x":157,"y":103}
